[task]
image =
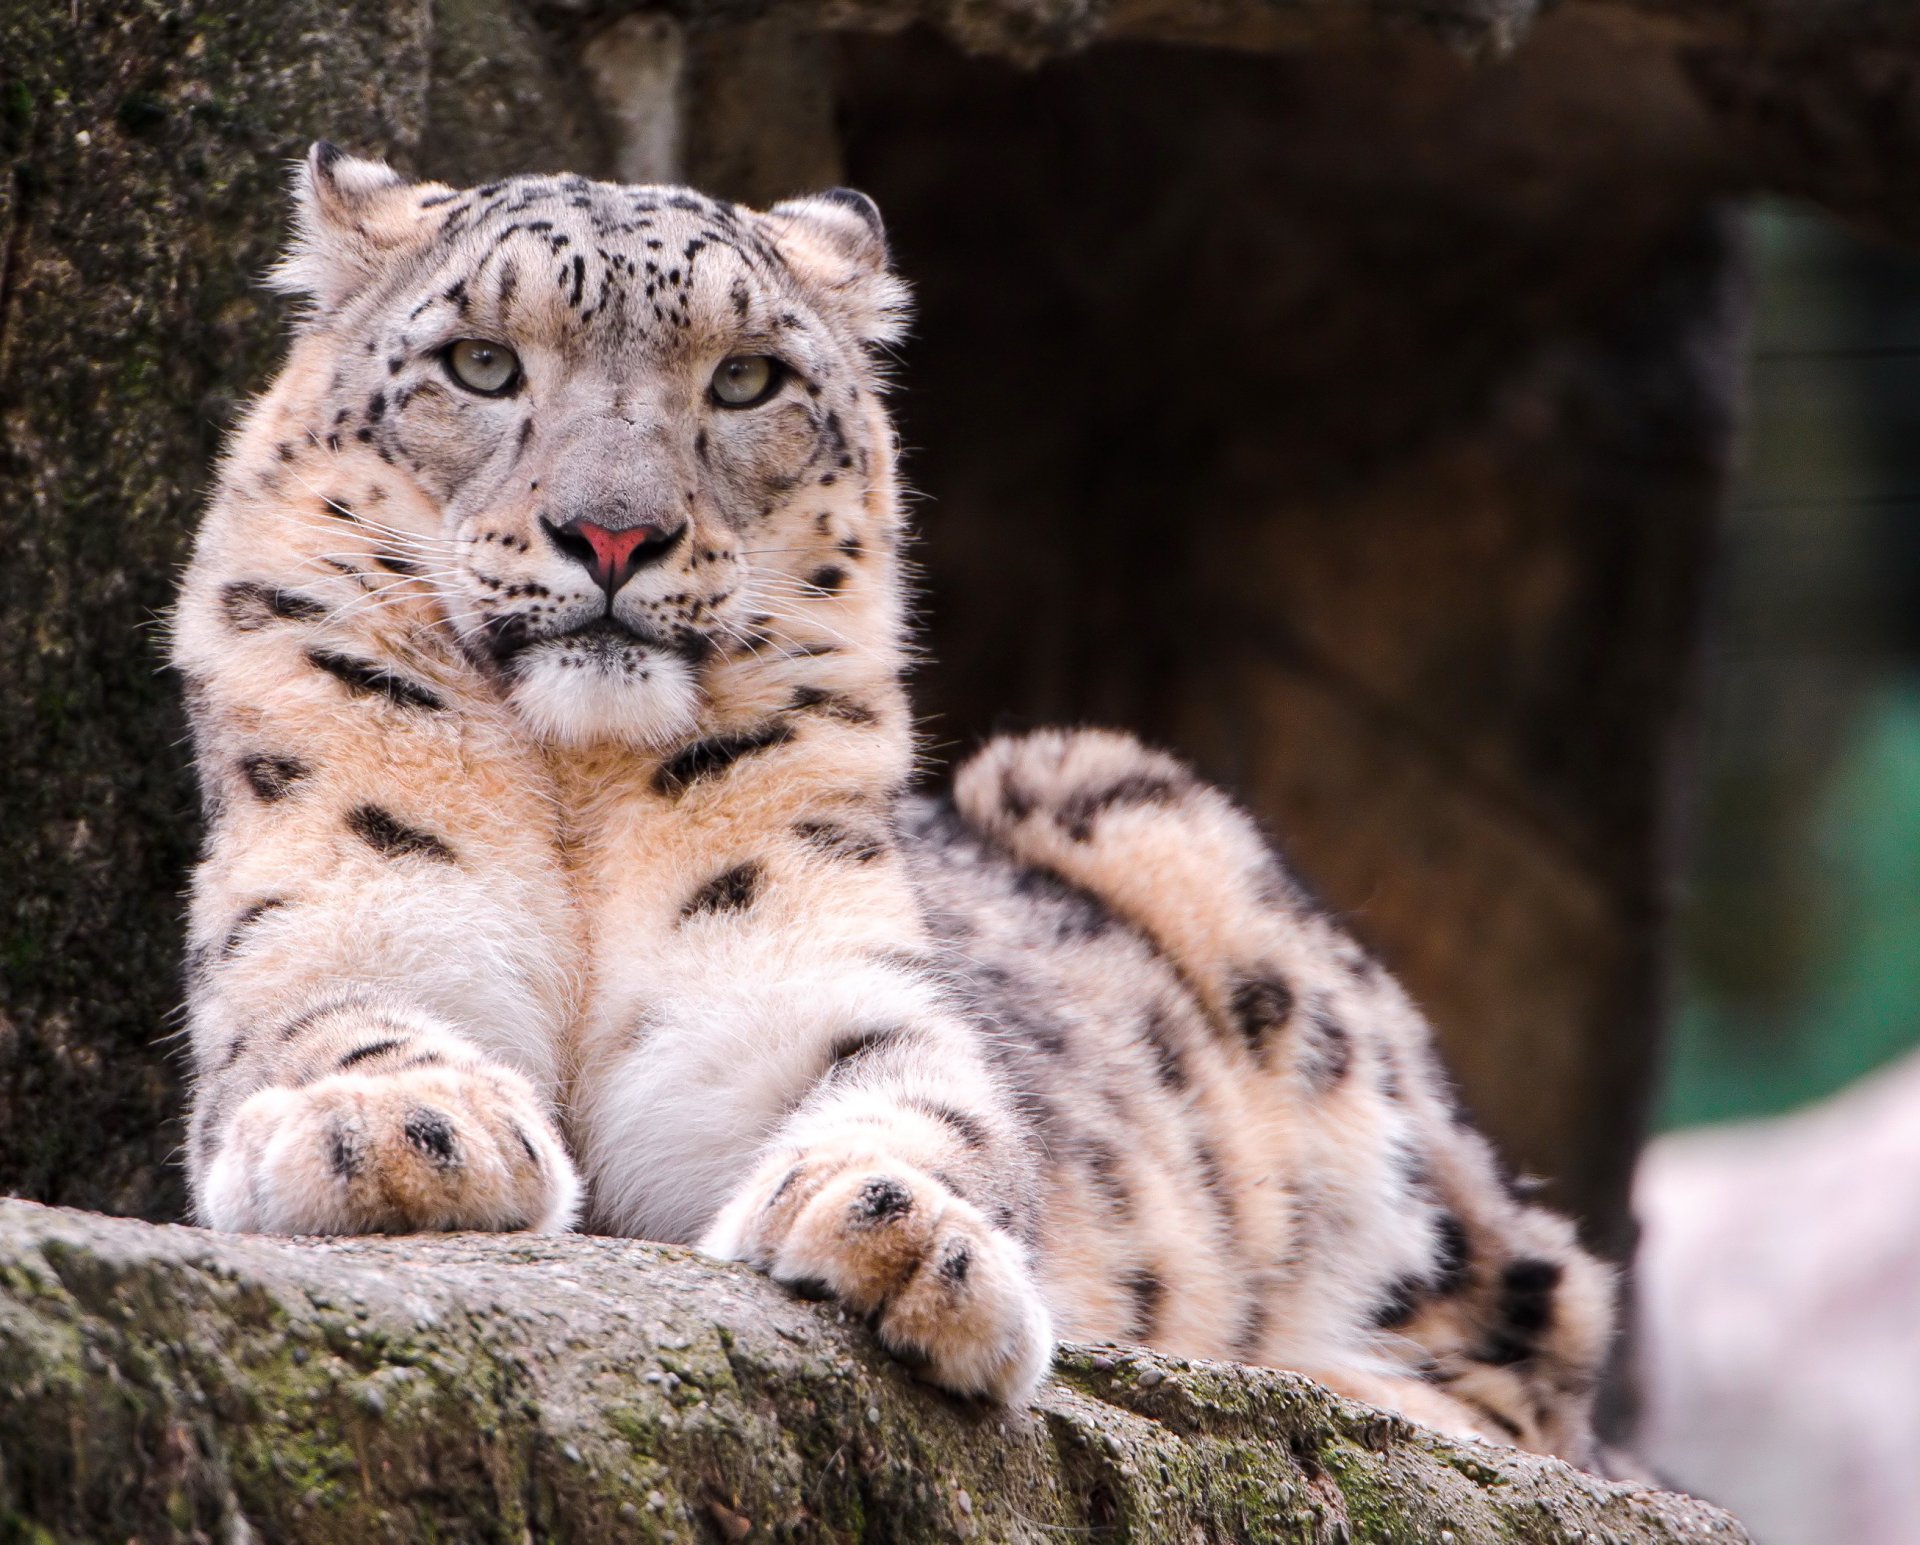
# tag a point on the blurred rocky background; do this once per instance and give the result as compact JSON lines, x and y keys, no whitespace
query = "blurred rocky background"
{"x":1779,"y":1268}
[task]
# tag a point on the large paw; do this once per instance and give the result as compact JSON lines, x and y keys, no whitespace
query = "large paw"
{"x":401,"y":1152}
{"x":943,"y":1288}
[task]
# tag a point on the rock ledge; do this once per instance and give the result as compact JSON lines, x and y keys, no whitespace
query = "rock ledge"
{"x":161,"y":1382}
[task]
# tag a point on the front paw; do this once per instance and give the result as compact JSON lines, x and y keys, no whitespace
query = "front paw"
{"x":413,"y":1150}
{"x":944,"y":1289}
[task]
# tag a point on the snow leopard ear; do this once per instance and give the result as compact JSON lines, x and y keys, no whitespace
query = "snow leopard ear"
{"x":351,"y":218}
{"x":837,"y":243}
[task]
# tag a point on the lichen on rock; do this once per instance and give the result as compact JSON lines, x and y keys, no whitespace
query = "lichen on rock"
{"x":161,"y":1382}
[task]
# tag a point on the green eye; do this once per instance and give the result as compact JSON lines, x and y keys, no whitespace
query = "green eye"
{"x":747,"y":380}
{"x":491,"y":369}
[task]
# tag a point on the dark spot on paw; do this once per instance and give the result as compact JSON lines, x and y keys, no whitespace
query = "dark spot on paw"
{"x":432,"y":1133}
{"x":810,"y":1288}
{"x":881,"y":1200}
{"x":346,"y":1151}
{"x":955,"y":1264}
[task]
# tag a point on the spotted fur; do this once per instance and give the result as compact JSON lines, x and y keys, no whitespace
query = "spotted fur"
{"x":526,"y":899}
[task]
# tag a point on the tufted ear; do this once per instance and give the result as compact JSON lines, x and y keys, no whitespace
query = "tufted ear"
{"x":837,"y":242}
{"x":351,"y":217}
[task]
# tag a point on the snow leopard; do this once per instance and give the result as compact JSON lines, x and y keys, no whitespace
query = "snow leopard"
{"x":565,"y":862}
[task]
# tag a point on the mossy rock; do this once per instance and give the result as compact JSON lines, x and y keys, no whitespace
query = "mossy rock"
{"x":167,"y":1383}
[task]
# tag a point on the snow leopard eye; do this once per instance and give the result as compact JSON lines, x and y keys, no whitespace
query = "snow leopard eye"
{"x":491,"y":369}
{"x":747,"y":380}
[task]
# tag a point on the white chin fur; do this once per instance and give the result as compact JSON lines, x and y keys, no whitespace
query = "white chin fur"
{"x":633,"y":699}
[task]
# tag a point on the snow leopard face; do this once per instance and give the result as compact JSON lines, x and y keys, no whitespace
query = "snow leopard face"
{"x":614,"y":412}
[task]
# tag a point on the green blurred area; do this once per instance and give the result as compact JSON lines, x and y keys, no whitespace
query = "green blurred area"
{"x":1799,"y":964}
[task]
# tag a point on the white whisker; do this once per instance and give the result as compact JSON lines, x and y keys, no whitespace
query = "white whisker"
{"x":397,"y":533}
{"x":795,"y":628}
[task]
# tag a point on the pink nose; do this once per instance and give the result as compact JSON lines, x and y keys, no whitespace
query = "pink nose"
{"x":612,"y":556}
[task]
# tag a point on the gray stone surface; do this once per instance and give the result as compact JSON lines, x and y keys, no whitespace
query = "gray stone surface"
{"x":160,"y":1382}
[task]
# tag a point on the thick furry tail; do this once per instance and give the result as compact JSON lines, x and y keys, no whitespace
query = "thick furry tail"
{"x":1508,"y":1317}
